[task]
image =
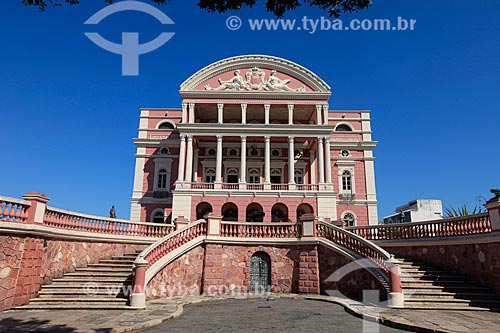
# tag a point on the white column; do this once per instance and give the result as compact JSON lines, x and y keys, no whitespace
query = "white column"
{"x":195,"y":165}
{"x":290,"y":114}
{"x":182,"y":159}
{"x":328,"y":161}
{"x":321,"y":162}
{"x":189,"y":159}
{"x":325,"y":114}
{"x":243,"y":163}
{"x":318,"y":114}
{"x":218,"y":162}
{"x":191,"y":113}
{"x":267,"y":160}
{"x":184,"y":112}
{"x":243,"y":113}
{"x":291,"y":160}
{"x":220,"y":113}
{"x":266,"y":113}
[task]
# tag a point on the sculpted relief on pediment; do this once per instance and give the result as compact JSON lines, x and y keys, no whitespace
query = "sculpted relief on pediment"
{"x":254,"y":80}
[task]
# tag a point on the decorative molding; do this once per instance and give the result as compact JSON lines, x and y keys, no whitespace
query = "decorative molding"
{"x":284,"y":66}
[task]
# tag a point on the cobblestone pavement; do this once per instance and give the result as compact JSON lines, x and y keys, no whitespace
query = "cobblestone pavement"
{"x":262,"y":315}
{"x":233,"y":315}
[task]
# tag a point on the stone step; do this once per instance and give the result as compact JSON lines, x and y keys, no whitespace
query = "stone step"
{"x":97,"y":280}
{"x":449,"y":295}
{"x":106,"y":266}
{"x":443,"y":283}
{"x":424,"y":271}
{"x":452,"y":301}
{"x":110,"y":292}
{"x":447,"y":307}
{"x":120,"y":269}
{"x":82,"y":300}
{"x":73,"y":306}
{"x":116,"y":261}
{"x":98,"y":274}
{"x":432,"y":277}
{"x":125,"y":256}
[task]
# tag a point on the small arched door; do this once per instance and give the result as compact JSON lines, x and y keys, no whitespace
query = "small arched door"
{"x":260,"y":272}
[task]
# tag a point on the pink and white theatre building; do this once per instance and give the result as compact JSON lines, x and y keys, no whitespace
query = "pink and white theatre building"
{"x":254,"y":140}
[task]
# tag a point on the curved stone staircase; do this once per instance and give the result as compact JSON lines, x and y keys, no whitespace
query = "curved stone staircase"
{"x":426,"y":287}
{"x":104,"y":285}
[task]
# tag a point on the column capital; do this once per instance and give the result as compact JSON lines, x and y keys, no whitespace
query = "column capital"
{"x":291,"y":139}
{"x":267,"y":138}
{"x":189,"y":137}
{"x":219,"y":138}
{"x":290,"y":107}
{"x":243,"y":138}
{"x":319,"y":107}
{"x":327,"y":139}
{"x":184,"y":105}
{"x":183,"y":136}
{"x":267,"y":106}
{"x":220,"y":105}
{"x":244,"y":105}
{"x":191,"y":104}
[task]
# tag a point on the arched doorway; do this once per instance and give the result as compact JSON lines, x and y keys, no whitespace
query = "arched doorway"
{"x":304,"y":209}
{"x":260,"y":272}
{"x":255,"y":213}
{"x":229,"y":212}
{"x":202,"y":209}
{"x":279,"y":213}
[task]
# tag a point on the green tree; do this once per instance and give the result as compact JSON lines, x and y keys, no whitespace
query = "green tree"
{"x":450,"y":212}
{"x":278,"y":7}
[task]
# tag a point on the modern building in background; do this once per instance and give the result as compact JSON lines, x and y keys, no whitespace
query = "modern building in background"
{"x":254,"y":140}
{"x":417,"y":211}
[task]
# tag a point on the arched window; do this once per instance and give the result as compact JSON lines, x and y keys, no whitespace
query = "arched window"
{"x":158,"y":216}
{"x":254,"y":176}
{"x":346,"y":180}
{"x":343,"y":128}
{"x":162,"y":179}
{"x":210,"y":175}
{"x":298,"y":177}
{"x":166,"y":125}
{"x":349,"y":219}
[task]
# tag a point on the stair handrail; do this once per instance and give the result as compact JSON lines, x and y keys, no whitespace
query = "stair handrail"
{"x":350,"y":240}
{"x":367,"y":249}
{"x":148,"y":252}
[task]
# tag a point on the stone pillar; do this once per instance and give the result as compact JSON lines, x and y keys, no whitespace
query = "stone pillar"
{"x":309,"y":222}
{"x":214,"y":225}
{"x":328,"y":161}
{"x":36,"y":212}
{"x":318,"y":114}
{"x":243,"y":162}
{"x":182,"y":159}
{"x":138,"y":295}
{"x":291,"y":160}
{"x":184,"y":112}
{"x":220,"y":113}
{"x":290,"y":114}
{"x":218,"y":162}
{"x":267,"y":107}
{"x":189,"y":159}
{"x":191,"y":113}
{"x":493,"y":206}
{"x":321,"y":162}
{"x":325,"y":114}
{"x":267,"y":160}
{"x":395,"y":297}
{"x":195,"y":165}
{"x":180,"y":222}
{"x":243,"y":113}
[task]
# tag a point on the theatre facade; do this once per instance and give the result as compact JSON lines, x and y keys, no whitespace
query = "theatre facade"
{"x":255,"y":140}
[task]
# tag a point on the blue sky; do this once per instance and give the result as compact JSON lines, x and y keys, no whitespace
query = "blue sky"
{"x":67,"y":116}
